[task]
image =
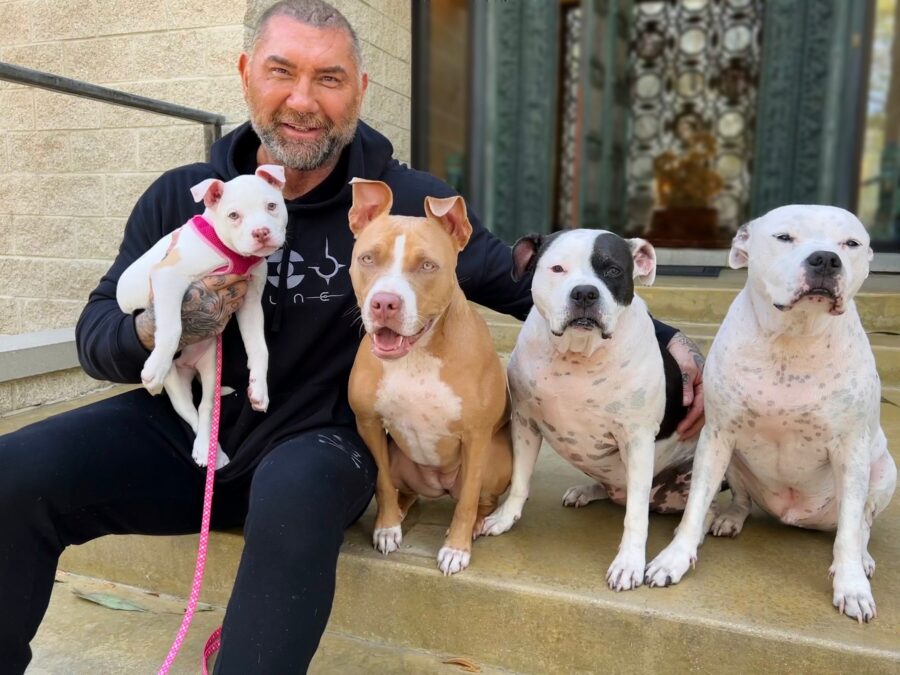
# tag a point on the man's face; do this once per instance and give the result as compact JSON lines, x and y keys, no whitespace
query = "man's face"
{"x":304,"y":91}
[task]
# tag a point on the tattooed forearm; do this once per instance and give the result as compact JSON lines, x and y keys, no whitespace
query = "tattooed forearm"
{"x":205,"y":310}
{"x":691,"y":346}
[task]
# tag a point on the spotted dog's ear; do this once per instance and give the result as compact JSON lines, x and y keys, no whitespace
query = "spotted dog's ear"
{"x":738,"y":256}
{"x":371,"y":200}
{"x":524,"y":253}
{"x":644,"y":256}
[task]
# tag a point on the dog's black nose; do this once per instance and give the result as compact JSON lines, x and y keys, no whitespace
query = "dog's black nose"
{"x":585,"y":296}
{"x":824,"y":262}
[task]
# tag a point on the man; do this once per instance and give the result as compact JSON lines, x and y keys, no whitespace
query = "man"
{"x":298,"y":475}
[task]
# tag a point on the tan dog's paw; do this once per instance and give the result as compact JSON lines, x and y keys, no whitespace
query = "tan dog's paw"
{"x":452,"y":560}
{"x":387,"y":539}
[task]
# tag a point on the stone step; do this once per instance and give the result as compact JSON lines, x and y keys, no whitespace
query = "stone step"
{"x":885,"y":346}
{"x":81,"y":637}
{"x":677,"y":299}
{"x":534,"y":600}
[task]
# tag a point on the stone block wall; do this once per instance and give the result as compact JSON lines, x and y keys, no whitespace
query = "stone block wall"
{"x":71,"y":169}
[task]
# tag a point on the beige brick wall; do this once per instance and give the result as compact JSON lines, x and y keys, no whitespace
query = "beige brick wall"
{"x":71,"y":169}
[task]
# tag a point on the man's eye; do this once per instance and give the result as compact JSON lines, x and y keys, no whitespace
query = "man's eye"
{"x":784,"y":237}
{"x":559,"y":269}
{"x":852,"y":243}
{"x":234,"y":215}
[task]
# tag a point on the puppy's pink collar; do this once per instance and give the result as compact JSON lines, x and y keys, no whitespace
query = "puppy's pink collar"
{"x":237,"y":263}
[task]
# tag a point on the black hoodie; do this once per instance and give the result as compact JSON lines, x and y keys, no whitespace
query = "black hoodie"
{"x":312,"y":329}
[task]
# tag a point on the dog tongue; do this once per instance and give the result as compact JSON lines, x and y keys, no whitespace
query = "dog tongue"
{"x":387,"y":340}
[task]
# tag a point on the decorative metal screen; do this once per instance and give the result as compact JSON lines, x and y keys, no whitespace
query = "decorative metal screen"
{"x":568,"y":126}
{"x":694,"y":73}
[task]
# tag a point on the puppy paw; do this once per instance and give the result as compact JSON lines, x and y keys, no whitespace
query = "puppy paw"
{"x":500,"y":520}
{"x":582,"y":495}
{"x":258,"y":393}
{"x":670,"y":565}
{"x":853,"y":597}
{"x":728,"y":524}
{"x":200,"y":452}
{"x":868,"y":563}
{"x":452,"y":560}
{"x":626,"y":572}
{"x":153,"y":376}
{"x":387,"y":539}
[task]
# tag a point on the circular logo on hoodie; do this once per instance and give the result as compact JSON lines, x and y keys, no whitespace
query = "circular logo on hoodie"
{"x":293,"y":277}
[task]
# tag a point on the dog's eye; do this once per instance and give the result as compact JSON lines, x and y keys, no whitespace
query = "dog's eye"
{"x":784,"y":237}
{"x":559,"y":269}
{"x":428,"y":266}
{"x":612,"y":272}
{"x":271,"y":206}
{"x":234,"y":215}
{"x":852,"y":243}
{"x":367,"y":259}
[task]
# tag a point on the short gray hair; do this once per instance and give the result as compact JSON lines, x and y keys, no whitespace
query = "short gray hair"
{"x":315,"y":13}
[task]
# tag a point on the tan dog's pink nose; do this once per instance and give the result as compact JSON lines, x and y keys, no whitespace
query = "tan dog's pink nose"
{"x":385,"y":305}
{"x":261,"y":234}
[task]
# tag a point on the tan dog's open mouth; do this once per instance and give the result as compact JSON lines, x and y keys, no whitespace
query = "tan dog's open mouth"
{"x":389,"y":344}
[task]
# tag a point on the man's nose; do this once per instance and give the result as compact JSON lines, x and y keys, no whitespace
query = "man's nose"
{"x":302,"y":98}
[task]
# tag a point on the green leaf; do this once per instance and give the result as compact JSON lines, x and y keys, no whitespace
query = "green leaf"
{"x":110,"y":601}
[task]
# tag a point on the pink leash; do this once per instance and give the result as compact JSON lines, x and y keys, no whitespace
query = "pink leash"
{"x":213,"y":643}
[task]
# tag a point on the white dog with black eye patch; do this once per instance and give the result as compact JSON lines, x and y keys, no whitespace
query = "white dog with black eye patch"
{"x":588,"y":375}
{"x":792,"y":400}
{"x":244,"y":222}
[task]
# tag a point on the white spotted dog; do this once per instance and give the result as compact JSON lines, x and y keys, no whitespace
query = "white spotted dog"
{"x":244,"y":221}
{"x":587,"y":374}
{"x":792,"y":400}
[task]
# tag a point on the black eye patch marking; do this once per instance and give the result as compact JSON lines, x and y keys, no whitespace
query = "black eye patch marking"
{"x":612,"y":263}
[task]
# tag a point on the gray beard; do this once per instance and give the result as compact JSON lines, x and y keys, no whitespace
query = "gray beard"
{"x":304,"y":156}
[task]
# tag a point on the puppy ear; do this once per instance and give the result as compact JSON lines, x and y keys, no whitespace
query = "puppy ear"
{"x":208,"y":191}
{"x":451,"y":213}
{"x":871,"y":254}
{"x":738,"y":256}
{"x":644,"y":256}
{"x":371,"y":200}
{"x":273,"y":174}
{"x":524,"y":253}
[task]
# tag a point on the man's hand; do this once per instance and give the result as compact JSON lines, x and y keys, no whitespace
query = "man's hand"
{"x":205,"y":310}
{"x":690,"y":362}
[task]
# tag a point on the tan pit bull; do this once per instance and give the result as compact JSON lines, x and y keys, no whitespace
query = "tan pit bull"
{"x":426,"y":372}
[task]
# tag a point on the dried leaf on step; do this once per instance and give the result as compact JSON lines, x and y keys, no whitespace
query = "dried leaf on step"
{"x":464,"y":664}
{"x":110,"y":601}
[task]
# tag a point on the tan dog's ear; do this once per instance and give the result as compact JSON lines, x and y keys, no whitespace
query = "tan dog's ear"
{"x":273,"y":174}
{"x":450,"y":212}
{"x":644,"y":256}
{"x":371,"y":200}
{"x":738,"y":256}
{"x":208,"y":191}
{"x":524,"y":253}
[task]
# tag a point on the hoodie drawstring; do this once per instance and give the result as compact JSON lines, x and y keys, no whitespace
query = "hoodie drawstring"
{"x":281,"y":291}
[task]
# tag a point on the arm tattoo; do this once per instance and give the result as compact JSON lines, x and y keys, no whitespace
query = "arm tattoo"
{"x":203,"y":314}
{"x":692,"y":347}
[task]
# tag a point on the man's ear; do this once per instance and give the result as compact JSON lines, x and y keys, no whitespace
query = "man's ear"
{"x":644,"y":256}
{"x":371,"y":200}
{"x":524,"y":253}
{"x":739,"y":256}
{"x":208,"y":191}
{"x":273,"y":174}
{"x":451,"y":213}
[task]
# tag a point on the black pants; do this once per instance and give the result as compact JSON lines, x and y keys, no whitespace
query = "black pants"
{"x":120,"y":466}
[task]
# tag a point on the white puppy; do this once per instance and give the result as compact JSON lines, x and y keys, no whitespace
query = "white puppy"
{"x":792,"y":400}
{"x":244,"y":222}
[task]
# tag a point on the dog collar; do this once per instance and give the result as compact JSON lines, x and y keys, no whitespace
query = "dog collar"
{"x":237,"y":263}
